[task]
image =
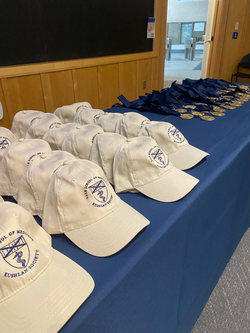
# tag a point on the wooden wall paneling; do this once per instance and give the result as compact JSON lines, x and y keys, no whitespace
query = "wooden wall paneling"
{"x":215,"y":57}
{"x":85,"y":82}
{"x":58,"y":89}
{"x":108,"y":82}
{"x":128,"y":79}
{"x":5,"y":121}
{"x":160,"y":40}
{"x":23,"y":93}
{"x":231,"y":49}
{"x":155,"y":75}
{"x":144,"y":80}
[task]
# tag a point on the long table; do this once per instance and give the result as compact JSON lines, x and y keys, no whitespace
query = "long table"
{"x":160,"y":282}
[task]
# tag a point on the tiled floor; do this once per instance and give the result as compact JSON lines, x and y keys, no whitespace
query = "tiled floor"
{"x":179,"y":68}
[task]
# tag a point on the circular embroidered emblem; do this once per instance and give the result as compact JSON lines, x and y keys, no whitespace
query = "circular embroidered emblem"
{"x":97,"y":116}
{"x":4,"y":142}
{"x":101,"y":195}
{"x":175,"y":135}
{"x":157,"y":156}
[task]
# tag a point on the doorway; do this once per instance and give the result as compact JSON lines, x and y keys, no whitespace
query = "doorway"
{"x":187,"y":24}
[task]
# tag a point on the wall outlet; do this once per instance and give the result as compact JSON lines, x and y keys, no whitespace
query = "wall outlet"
{"x":144,"y":84}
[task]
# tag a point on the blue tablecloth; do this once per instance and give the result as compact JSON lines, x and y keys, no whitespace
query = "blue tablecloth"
{"x":161,"y":281}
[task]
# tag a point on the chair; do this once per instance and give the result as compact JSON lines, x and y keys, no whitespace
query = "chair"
{"x":244,"y":63}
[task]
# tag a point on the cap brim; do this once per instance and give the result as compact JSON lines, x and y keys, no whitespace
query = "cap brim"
{"x":47,"y":303}
{"x":111,"y":233}
{"x":187,"y":157}
{"x":170,"y":187}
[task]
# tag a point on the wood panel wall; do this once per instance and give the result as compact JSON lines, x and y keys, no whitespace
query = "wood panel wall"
{"x":46,"y":86}
{"x":227,"y":52}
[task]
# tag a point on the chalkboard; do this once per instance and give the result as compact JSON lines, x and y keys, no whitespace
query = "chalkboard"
{"x":33,"y":31}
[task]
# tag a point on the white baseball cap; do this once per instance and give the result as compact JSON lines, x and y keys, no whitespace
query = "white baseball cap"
{"x":174,"y":144}
{"x":82,"y":204}
{"x":81,"y":105}
{"x":140,"y":164}
{"x":22,"y":121}
{"x":87,"y":116}
{"x":79,"y":141}
{"x":41,"y":125}
{"x":35,"y":181}
{"x":108,"y":121}
{"x":66,"y":113}
{"x":56,"y":135}
{"x":6,"y":139}
{"x":15,"y":161}
{"x":130,"y":124}
{"x":40,"y":287}
{"x":103,"y":151}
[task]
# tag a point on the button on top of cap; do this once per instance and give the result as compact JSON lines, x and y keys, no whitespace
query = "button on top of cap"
{"x":43,"y":155}
{"x":78,"y":127}
{"x":21,"y":140}
{"x":66,"y":162}
{"x":40,"y":117}
{"x":24,"y":111}
{"x":129,"y":140}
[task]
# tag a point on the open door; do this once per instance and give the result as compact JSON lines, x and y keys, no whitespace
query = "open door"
{"x":209,"y":35}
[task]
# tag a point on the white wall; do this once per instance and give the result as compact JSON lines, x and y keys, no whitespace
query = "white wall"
{"x":187,"y":10}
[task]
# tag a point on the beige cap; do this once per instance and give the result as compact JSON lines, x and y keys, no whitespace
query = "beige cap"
{"x":22,"y":121}
{"x":56,"y":135}
{"x":87,"y":116}
{"x":140,"y":164}
{"x":79,"y":141}
{"x":108,"y":121}
{"x":41,"y":125}
{"x":174,"y":144}
{"x":33,"y":185}
{"x":82,"y":204}
{"x":15,"y":161}
{"x":130,"y":124}
{"x":40,"y":287}
{"x":65,"y":113}
{"x":6,"y":139}
{"x":103,"y":151}
{"x":81,"y":105}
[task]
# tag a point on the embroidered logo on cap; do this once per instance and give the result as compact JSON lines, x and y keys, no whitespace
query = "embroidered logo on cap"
{"x":54,"y":125}
{"x":17,"y":253}
{"x":97,"y":117}
{"x":99,"y":190}
{"x":157,"y":156}
{"x":175,"y":135}
{"x":4,"y":142}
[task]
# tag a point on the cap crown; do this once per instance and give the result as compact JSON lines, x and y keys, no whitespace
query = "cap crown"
{"x":79,"y":141}
{"x":167,"y":136}
{"x":81,"y":105}
{"x":25,"y":249}
{"x":103,"y":151}
{"x":65,"y":113}
{"x":6,"y":138}
{"x":130,"y":124}
{"x":22,"y":121}
{"x":15,"y":161}
{"x":87,"y":116}
{"x":78,"y":195}
{"x":41,"y":125}
{"x":56,"y":135}
{"x":33,"y":185}
{"x":108,"y":121}
{"x":137,"y":162}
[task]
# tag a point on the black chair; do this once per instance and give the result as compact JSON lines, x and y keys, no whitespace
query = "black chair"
{"x":244,"y":63}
